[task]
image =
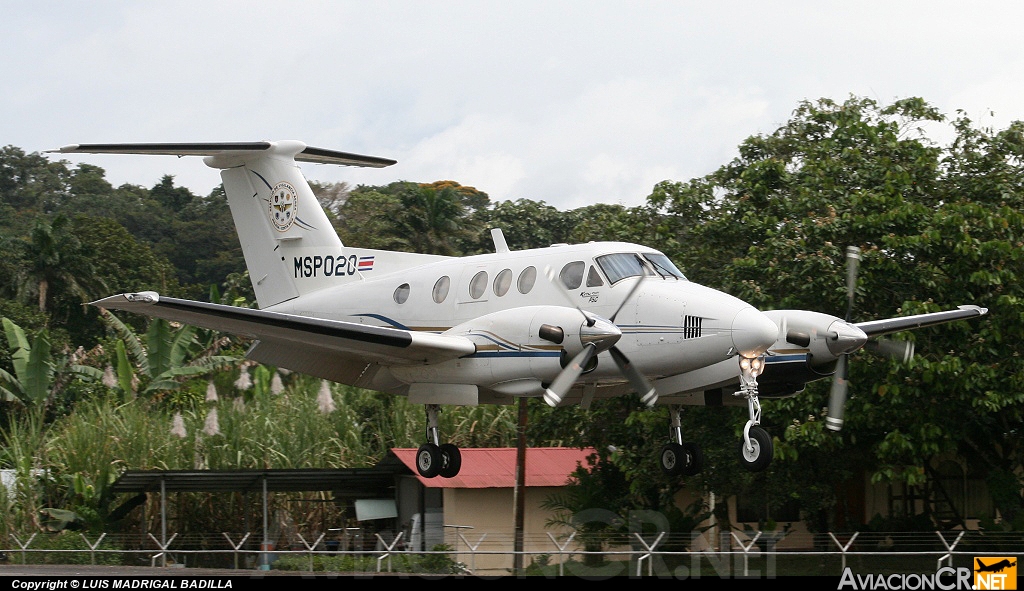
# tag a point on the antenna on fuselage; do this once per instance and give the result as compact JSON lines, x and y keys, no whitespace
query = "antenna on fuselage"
{"x":499,"y":240}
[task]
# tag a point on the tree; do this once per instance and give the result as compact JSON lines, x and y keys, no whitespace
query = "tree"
{"x":53,"y":255}
{"x":524,"y":223}
{"x":368,"y":220}
{"x":29,"y":184}
{"x":936,"y":227}
{"x":433,"y":220}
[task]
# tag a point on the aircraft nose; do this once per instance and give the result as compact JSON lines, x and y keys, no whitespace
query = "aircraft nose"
{"x":753,"y":332}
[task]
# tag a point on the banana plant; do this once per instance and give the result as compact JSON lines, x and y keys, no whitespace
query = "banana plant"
{"x":38,"y":376}
{"x":164,"y":357}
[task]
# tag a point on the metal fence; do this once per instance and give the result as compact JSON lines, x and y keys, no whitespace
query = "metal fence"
{"x":465,"y":551}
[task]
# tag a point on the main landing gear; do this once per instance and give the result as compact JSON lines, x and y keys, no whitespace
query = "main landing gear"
{"x":678,"y":458}
{"x":756,"y":448}
{"x":433,"y":459}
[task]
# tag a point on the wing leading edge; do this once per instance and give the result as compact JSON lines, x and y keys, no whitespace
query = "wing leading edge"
{"x":301,"y":336}
{"x":876,"y":328}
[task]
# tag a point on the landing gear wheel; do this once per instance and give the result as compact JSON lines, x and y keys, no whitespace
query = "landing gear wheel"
{"x":758,"y":458}
{"x":694,"y":459}
{"x":451,"y":458}
{"x":428,"y":460}
{"x":673,"y":459}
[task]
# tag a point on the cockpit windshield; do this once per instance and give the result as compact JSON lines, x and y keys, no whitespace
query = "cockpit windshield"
{"x":622,"y":265}
{"x":663,"y":265}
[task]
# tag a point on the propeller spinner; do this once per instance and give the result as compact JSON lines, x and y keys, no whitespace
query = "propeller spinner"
{"x":598,"y":335}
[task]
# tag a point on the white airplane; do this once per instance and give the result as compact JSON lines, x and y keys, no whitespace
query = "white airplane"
{"x":569,"y":323}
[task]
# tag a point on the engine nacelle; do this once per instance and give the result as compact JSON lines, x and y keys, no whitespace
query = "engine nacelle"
{"x":530,"y":341}
{"x":824,"y":336}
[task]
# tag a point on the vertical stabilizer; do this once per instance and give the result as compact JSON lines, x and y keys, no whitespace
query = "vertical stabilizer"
{"x":289,"y":244}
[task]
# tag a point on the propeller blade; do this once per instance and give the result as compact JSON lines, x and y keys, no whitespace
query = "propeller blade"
{"x":902,"y":351}
{"x":640,"y":383}
{"x":840,"y":385}
{"x":550,"y":274}
{"x":837,"y":398}
{"x":632,"y":290}
{"x":558,"y":388}
{"x":852,"y":265}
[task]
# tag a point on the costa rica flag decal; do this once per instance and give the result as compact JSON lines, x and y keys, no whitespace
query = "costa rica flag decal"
{"x":366,"y":263}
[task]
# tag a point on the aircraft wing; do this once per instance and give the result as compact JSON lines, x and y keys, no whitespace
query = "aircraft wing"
{"x":300,"y":336}
{"x":876,"y":328}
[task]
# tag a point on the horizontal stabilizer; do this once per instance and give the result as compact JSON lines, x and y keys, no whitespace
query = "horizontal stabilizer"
{"x":309,"y":154}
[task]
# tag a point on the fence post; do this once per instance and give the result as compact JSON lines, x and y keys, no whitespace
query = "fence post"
{"x":746,"y":551}
{"x":949,"y":548}
{"x":24,"y":546}
{"x":238,"y":547}
{"x":561,"y":551}
{"x":92,"y":547}
{"x":472,"y":550}
{"x":388,"y":549}
{"x":310,"y":548}
{"x":650,"y":551}
{"x":163,"y":547}
{"x":843,"y":548}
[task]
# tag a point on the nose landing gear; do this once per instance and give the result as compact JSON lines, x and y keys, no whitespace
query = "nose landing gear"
{"x":756,"y":449}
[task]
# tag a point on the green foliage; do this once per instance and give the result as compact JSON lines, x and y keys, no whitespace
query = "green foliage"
{"x":937,"y":226}
{"x":165,"y":357}
{"x":438,"y":562}
{"x":68,"y":547}
{"x":38,"y":376}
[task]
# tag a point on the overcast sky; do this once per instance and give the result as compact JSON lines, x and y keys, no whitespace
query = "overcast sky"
{"x":564,"y":102}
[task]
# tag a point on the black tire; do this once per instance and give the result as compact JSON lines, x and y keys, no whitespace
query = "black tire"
{"x":757,"y":460}
{"x":451,"y":458}
{"x":673,"y":459}
{"x":694,"y":459}
{"x":428,"y":460}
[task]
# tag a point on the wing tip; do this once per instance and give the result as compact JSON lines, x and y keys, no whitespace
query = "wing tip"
{"x":139,"y":297}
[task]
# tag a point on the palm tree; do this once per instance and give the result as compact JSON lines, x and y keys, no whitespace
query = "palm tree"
{"x":433,"y":220}
{"x":52,"y":255}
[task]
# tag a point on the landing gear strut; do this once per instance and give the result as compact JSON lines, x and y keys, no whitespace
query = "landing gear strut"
{"x":756,"y":448}
{"x":678,"y":458}
{"x":433,"y":459}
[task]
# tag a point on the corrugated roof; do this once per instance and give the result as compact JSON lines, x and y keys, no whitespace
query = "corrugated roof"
{"x":481,"y":468}
{"x":496,"y":467}
{"x":353,"y":481}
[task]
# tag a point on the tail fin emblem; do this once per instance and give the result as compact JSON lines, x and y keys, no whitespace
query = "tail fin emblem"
{"x":284,"y":202}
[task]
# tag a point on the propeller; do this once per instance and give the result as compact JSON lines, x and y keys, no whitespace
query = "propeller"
{"x":902,"y":351}
{"x":840,"y":383}
{"x":602,"y":335}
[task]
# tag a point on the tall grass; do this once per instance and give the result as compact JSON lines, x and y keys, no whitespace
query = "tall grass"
{"x":84,"y":452}
{"x":21,"y":501}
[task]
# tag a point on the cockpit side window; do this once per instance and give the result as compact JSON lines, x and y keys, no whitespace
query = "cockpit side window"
{"x":572,"y":274}
{"x":594,"y":278}
{"x":621,"y":265}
